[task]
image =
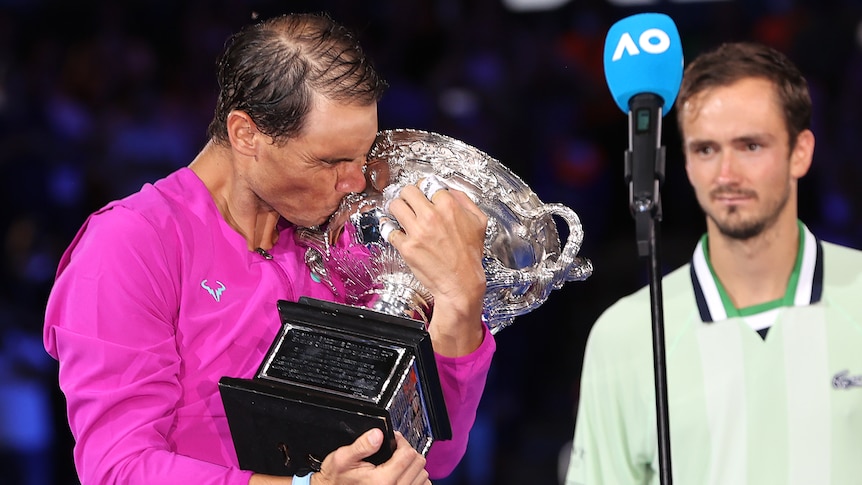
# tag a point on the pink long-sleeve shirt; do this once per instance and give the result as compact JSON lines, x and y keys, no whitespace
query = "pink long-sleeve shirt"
{"x":155,"y":300}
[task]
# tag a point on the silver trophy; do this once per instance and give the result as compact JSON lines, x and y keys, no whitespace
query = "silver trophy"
{"x":523,"y":257}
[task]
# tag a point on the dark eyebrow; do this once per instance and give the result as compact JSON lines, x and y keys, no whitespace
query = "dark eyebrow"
{"x":756,"y":138}
{"x":697,"y":144}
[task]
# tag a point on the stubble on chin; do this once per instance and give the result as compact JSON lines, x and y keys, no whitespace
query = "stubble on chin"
{"x":734,"y":226}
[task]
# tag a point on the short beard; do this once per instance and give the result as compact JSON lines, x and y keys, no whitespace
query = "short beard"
{"x":746,"y":230}
{"x":743,"y":231}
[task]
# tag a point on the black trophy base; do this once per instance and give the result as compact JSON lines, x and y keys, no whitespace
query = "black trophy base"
{"x":332,"y":373}
{"x":282,"y":431}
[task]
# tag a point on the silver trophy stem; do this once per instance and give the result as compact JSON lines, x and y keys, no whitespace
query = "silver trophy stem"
{"x":401,"y":300}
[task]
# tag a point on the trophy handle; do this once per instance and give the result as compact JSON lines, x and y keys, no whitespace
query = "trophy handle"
{"x":513,"y":292}
{"x":568,"y":267}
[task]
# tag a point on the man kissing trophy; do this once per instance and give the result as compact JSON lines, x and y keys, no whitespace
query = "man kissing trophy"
{"x":386,"y":375}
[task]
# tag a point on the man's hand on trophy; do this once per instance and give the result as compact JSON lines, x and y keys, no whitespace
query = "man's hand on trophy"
{"x":346,"y":466}
{"x":442,"y":241}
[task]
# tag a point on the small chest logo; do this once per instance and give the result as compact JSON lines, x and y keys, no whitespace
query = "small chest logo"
{"x":843,"y":380}
{"x":215,"y":292}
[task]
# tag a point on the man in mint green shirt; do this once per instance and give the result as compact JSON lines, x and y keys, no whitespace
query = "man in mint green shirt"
{"x":763,"y":328}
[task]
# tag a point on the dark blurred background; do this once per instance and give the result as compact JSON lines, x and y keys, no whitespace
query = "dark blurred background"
{"x":99,"y":97}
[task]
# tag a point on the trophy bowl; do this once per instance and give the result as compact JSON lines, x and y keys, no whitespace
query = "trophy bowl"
{"x":524,"y":260}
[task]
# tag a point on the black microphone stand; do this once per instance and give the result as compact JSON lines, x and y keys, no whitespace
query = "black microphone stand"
{"x":644,"y":172}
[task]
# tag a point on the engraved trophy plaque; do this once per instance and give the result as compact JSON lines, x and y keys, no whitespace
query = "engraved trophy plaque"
{"x":332,"y":373}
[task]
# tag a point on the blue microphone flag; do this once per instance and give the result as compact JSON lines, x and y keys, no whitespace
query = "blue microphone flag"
{"x":643,"y":54}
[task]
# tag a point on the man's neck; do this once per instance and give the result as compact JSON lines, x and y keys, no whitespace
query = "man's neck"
{"x":239,"y":207}
{"x":756,"y":270}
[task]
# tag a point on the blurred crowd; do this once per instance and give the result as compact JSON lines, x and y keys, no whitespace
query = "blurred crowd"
{"x":99,"y":97}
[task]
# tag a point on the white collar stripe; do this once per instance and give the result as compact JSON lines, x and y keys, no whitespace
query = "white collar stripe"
{"x":714,"y":308}
{"x":806,"y":272}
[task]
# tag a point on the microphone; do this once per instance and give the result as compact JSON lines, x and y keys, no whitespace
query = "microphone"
{"x":643,"y":68}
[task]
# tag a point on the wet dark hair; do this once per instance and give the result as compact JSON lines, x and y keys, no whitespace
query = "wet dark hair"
{"x":732,"y":62}
{"x":271,"y":69}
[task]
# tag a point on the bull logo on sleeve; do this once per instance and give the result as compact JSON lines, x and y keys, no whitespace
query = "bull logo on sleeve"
{"x":216,"y":293}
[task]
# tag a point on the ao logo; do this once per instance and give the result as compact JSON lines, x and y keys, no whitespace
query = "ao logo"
{"x":627,"y":44}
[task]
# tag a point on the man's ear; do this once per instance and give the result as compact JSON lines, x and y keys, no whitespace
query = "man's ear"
{"x":802,"y":154}
{"x":242,"y":133}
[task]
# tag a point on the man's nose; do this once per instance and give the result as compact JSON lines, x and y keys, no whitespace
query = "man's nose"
{"x":351,"y":176}
{"x":728,"y":166}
